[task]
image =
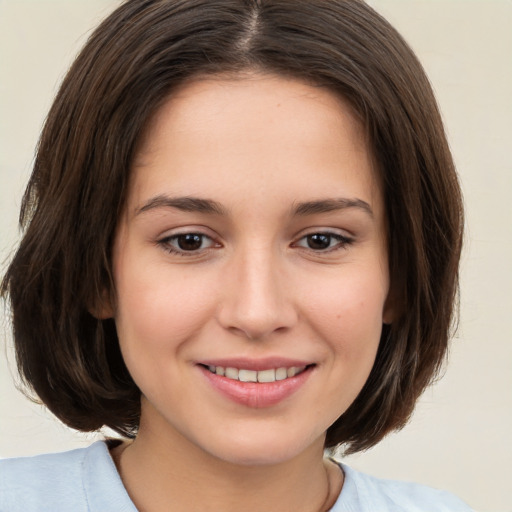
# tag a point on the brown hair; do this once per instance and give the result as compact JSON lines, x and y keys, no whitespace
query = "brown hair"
{"x":70,"y":210}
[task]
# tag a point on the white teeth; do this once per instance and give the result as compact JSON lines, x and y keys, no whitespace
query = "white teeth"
{"x":281,"y":374}
{"x":247,"y":376}
{"x":267,"y":376}
{"x":270,"y":375}
{"x":231,"y":373}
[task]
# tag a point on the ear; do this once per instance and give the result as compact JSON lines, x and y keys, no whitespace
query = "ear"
{"x":102,"y":307}
{"x":390,"y":308}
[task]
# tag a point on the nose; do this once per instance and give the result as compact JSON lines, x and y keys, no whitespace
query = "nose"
{"x":257,"y":297}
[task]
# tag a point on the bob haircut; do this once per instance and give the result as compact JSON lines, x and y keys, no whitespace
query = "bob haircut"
{"x":127,"y":69}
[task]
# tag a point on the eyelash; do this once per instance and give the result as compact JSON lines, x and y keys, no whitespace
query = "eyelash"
{"x":343,"y":241}
{"x":166,"y":243}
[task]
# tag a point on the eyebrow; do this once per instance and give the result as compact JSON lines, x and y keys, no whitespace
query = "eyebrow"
{"x":331,"y":205}
{"x":186,"y":204}
{"x":208,"y":206}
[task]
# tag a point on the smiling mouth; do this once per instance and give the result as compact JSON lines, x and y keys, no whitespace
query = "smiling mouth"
{"x":262,"y":376}
{"x":257,"y":384}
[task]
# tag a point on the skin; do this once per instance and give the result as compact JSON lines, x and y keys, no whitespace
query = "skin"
{"x":254,"y":287}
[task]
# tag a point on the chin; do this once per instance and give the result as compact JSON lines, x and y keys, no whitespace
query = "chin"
{"x":257,"y":456}
{"x":268,"y":450}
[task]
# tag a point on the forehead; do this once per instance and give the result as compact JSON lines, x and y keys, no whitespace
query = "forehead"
{"x":250,"y":101}
{"x":220,"y":132}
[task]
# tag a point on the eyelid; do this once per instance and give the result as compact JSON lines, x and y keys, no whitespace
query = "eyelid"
{"x":343,"y":239}
{"x":164,"y":241}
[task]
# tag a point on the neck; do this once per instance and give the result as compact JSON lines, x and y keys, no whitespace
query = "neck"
{"x":174,"y":475}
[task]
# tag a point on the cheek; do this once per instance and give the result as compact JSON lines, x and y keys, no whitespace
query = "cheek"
{"x":348,"y":311}
{"x":347,"y":318}
{"x":157,"y":307}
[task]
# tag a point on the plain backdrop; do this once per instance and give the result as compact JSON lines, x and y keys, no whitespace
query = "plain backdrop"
{"x":459,"y":437}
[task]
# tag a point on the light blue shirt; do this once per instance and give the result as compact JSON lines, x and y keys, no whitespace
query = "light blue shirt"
{"x":86,"y":480}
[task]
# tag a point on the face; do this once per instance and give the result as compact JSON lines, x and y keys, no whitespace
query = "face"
{"x":250,"y":268}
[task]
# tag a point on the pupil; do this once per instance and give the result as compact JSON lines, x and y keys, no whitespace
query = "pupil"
{"x":319,"y":241}
{"x":189,"y":242}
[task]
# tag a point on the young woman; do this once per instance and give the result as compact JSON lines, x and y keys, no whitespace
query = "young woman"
{"x":242,"y":236}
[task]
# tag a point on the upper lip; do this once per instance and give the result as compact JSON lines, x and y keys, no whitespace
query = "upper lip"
{"x":256,"y":364}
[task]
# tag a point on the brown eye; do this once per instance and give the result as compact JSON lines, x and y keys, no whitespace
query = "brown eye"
{"x":318,"y":241}
{"x":324,"y":242}
{"x":186,"y":243}
{"x":189,"y":242}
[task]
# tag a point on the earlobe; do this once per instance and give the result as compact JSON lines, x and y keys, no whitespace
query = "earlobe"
{"x":102,"y":308}
{"x":388,"y":312}
{"x":387,"y":318}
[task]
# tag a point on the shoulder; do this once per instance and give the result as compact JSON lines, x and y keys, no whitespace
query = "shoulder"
{"x":26,"y":482}
{"x":72,"y":480}
{"x":363,"y":492}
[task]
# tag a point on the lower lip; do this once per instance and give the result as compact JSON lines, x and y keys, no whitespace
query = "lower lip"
{"x":257,"y":394}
